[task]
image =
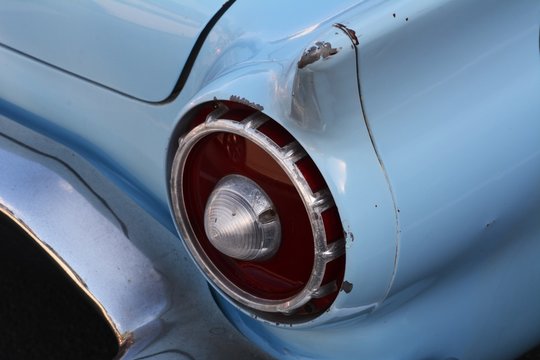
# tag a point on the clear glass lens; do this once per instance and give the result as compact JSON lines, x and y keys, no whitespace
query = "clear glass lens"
{"x":240,"y":220}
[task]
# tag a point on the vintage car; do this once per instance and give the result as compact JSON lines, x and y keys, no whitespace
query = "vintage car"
{"x":354,"y":179}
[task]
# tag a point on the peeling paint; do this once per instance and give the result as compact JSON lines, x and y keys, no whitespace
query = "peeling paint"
{"x":349,"y":237}
{"x":350,"y":33}
{"x":245,"y":101}
{"x":321,"y":50}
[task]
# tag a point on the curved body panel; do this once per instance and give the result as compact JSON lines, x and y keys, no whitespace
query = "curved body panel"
{"x":423,"y":123}
{"x":431,"y":289}
{"x":136,"y":48}
{"x":457,"y":127}
{"x":134,"y":270}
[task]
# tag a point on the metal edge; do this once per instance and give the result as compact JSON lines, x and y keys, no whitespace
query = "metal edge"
{"x":123,"y":339}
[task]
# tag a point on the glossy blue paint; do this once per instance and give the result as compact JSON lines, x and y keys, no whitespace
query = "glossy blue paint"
{"x":484,"y":307}
{"x":333,"y":134}
{"x":85,"y":116}
{"x":134,"y":47}
{"x":434,"y":164}
{"x":149,"y":291}
{"x":471,"y":192}
{"x":458,"y":127}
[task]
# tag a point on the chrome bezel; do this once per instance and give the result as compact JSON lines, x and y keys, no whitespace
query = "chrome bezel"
{"x":315,"y":204}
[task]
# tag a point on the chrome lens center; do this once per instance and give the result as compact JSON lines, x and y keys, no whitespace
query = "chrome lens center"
{"x":240,"y":220}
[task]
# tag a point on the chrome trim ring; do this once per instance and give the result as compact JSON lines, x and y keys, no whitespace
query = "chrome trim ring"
{"x":315,"y":204}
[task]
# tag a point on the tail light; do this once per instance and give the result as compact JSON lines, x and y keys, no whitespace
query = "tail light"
{"x":257,"y":216}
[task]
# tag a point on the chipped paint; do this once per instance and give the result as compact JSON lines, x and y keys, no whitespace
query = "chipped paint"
{"x":245,"y":101}
{"x":321,"y":50}
{"x":350,"y":33}
{"x":346,"y":287}
{"x":349,"y":237}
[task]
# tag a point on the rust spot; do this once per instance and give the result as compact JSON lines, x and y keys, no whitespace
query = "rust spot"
{"x":245,"y":101}
{"x":320,"y":50}
{"x":350,"y":33}
{"x":347,"y":287}
{"x":490,"y":223}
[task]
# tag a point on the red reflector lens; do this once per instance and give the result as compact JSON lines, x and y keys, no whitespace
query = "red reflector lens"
{"x":302,"y":277}
{"x":222,"y":154}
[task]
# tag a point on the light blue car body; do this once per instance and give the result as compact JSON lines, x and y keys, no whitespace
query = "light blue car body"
{"x":425,"y":125}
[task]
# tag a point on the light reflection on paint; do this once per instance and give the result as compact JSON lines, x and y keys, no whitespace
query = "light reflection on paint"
{"x":338,"y":170}
{"x":304,"y":32}
{"x":65,"y":186}
{"x":152,"y":17}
